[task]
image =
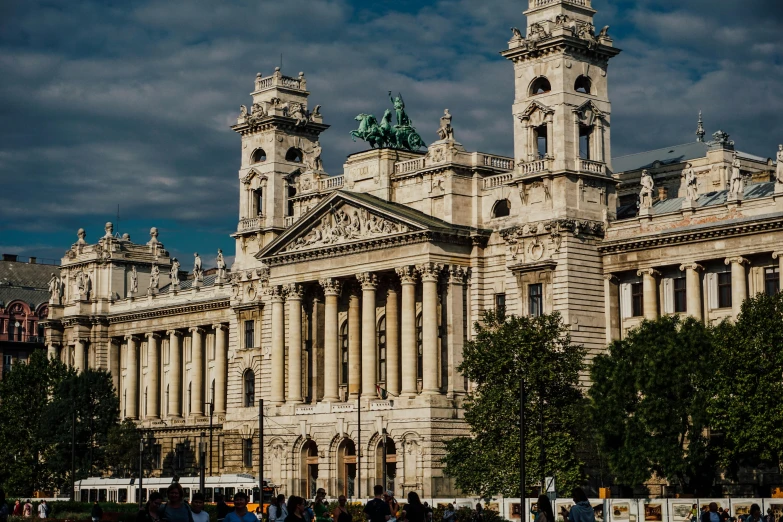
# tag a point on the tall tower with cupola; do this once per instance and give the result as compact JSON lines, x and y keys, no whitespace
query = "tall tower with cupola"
{"x":561,"y":107}
{"x":279,"y":144}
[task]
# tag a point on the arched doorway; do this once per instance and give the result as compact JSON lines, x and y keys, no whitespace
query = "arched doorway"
{"x":309,"y":471}
{"x":346,"y":468}
{"x":388,"y":464}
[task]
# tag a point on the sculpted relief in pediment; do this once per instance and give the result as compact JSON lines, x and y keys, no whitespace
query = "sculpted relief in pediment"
{"x":343,"y":225}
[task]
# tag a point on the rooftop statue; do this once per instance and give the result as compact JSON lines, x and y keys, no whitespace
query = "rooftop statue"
{"x":385,"y":135}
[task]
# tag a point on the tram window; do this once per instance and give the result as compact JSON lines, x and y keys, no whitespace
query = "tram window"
{"x":229,"y":493}
{"x":85,"y":495}
{"x":208,"y":494}
{"x":163,"y":493}
{"x":143,"y":494}
{"x":101,"y":495}
{"x":187,"y":493}
{"x":122,"y":495}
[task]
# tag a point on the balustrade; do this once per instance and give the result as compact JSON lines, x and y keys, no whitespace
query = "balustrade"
{"x":497,"y":180}
{"x":592,"y":167}
{"x":289,"y":220}
{"x":498,"y":162}
{"x":535,"y":166}
{"x":413,"y":165}
{"x":331,"y":183}
{"x":249,"y":223}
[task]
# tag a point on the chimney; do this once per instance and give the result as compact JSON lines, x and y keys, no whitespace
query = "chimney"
{"x":9,"y":257}
{"x":663,"y":193}
{"x":32,"y":260}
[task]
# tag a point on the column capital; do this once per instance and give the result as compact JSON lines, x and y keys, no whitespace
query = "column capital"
{"x":738,"y":260}
{"x":294,"y":291}
{"x":152,"y":335}
{"x":276,"y":293}
{"x":112,"y":340}
{"x":330,"y":286}
{"x":777,"y":255}
{"x":611,"y":278}
{"x":196,"y":330}
{"x":132,"y":337}
{"x":407,"y":275}
{"x":430,"y":272}
{"x":82,"y":339}
{"x":220,"y":326}
{"x":368,"y":280}
{"x":691,"y":266}
{"x":648,"y":272}
{"x":458,"y":274}
{"x":178,"y":333}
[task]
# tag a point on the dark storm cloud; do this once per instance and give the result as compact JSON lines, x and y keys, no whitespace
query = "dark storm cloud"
{"x":107,"y":103}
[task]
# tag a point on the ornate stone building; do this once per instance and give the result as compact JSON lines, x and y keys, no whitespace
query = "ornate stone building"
{"x":344,"y":285}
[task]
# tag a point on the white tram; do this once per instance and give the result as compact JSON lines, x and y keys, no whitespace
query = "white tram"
{"x":127,"y":489}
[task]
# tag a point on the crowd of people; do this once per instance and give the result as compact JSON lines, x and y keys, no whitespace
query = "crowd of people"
{"x":23,"y":509}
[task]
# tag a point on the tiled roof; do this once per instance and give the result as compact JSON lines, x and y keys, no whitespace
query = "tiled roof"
{"x":30,"y":296}
{"x":186,"y":284}
{"x":669,"y":155}
{"x":26,"y":282}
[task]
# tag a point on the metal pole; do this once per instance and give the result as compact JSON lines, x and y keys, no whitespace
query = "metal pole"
{"x":261,"y":452}
{"x":384,"y":458}
{"x":203,"y":455}
{"x":141,"y":467}
{"x":211,"y":411}
{"x":522,"y":437}
{"x":73,"y":455}
{"x":359,"y":448}
{"x":542,"y":457}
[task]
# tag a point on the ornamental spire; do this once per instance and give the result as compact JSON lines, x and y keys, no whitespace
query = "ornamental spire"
{"x":700,"y":133}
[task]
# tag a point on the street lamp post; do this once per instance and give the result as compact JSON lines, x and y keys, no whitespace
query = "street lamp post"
{"x":141,"y":468}
{"x":522,"y":441}
{"x":261,"y":451}
{"x":211,"y":405}
{"x":385,"y":480}
{"x":203,"y":453}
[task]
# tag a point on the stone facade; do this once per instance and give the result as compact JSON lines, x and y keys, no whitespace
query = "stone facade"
{"x":344,"y":286}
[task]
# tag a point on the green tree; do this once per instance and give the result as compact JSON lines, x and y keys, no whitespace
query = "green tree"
{"x":122,"y":449}
{"x":24,"y":395}
{"x":505,"y":350}
{"x":650,"y":398}
{"x":90,"y":397}
{"x":748,"y":385}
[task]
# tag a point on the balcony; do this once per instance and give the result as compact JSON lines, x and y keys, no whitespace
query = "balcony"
{"x":591,"y":167}
{"x":250,"y":223}
{"x":497,"y":180}
{"x":404,"y":167}
{"x":536,"y":166}
{"x":331,"y":183}
{"x":498,"y":162}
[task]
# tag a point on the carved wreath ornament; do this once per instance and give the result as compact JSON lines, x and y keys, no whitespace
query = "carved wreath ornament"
{"x":344,"y":225}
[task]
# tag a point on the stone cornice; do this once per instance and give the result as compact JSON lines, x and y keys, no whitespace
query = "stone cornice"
{"x":378,"y":243}
{"x":554,"y":227}
{"x":679,"y":237}
{"x":283,"y":123}
{"x":169,"y":311}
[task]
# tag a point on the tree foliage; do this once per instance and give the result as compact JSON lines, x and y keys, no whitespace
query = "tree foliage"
{"x":122,"y":449}
{"x":650,"y":397}
{"x":506,"y":350}
{"x":747,"y":411}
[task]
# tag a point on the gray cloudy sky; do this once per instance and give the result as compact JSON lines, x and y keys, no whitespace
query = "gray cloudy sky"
{"x":129,"y":102}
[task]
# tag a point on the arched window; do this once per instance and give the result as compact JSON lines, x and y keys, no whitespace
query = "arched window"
{"x":258,"y":156}
{"x":344,"y":354}
{"x":259,"y":197}
{"x":346,"y":467}
{"x":309,"y":468}
{"x":419,"y":349}
{"x":583,"y":85}
{"x":390,"y":452}
{"x":250,"y":388}
{"x":382,"y":350}
{"x":502,"y":208}
{"x":540,"y":86}
{"x":294,"y":155}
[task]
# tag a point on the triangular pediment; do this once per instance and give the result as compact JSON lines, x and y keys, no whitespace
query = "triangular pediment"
{"x":588,"y":112}
{"x":344,"y":218}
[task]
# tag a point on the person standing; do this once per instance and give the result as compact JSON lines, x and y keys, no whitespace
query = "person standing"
{"x":414,"y":510}
{"x":296,"y":506}
{"x":320,"y":506}
{"x":394,"y":507}
{"x":150,"y":511}
{"x":711,"y":515}
{"x":478,"y":516}
{"x":545,"y":511}
{"x":341,"y":513}
{"x":581,"y":511}
{"x":240,"y":513}
{"x":175,"y":510}
{"x":197,"y":508}
{"x":222,"y":508}
{"x":42,"y":509}
{"x":17,"y":509}
{"x":277,"y":510}
{"x":96,"y":513}
{"x":449,"y":515}
{"x":27,"y":510}
{"x":4,"y":509}
{"x":755,"y":514}
{"x":377,"y":510}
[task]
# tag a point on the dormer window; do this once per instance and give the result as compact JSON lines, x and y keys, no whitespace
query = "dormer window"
{"x":540,"y":86}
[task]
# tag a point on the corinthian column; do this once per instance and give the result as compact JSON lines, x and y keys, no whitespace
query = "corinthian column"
{"x":114,"y":363}
{"x":693,"y":289}
{"x":294,"y":298}
{"x":611,"y":307}
{"x":369,"y":284}
{"x":430,"y":272}
{"x":79,"y":359}
{"x":456,"y":328}
{"x":278,"y":346}
{"x":197,"y":371}
{"x":354,"y":346}
{"x":221,"y":360}
{"x":739,"y":283}
{"x":152,"y":383}
{"x":409,"y":356}
{"x":392,"y":342}
{"x":650,"y":292}
{"x":132,"y":378}
{"x":175,"y":373}
{"x":331,"y":342}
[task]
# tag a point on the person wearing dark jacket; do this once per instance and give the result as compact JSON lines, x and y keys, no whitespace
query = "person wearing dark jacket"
{"x":97,"y":512}
{"x":711,"y":515}
{"x":414,"y":510}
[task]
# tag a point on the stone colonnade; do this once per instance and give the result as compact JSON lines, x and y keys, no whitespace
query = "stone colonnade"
{"x":401,"y":337}
{"x":136,"y":381}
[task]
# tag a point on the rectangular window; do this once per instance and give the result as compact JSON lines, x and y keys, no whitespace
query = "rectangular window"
{"x":247,"y":453}
{"x":771,"y":281}
{"x":637,"y":300}
{"x":344,"y":354}
{"x":7,"y":362}
{"x":250,"y":328}
{"x":500,"y":304}
{"x":680,"y":296}
{"x":156,"y":456}
{"x":542,"y":144}
{"x":724,"y":290}
{"x":535,"y":299}
{"x":382,"y":351}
